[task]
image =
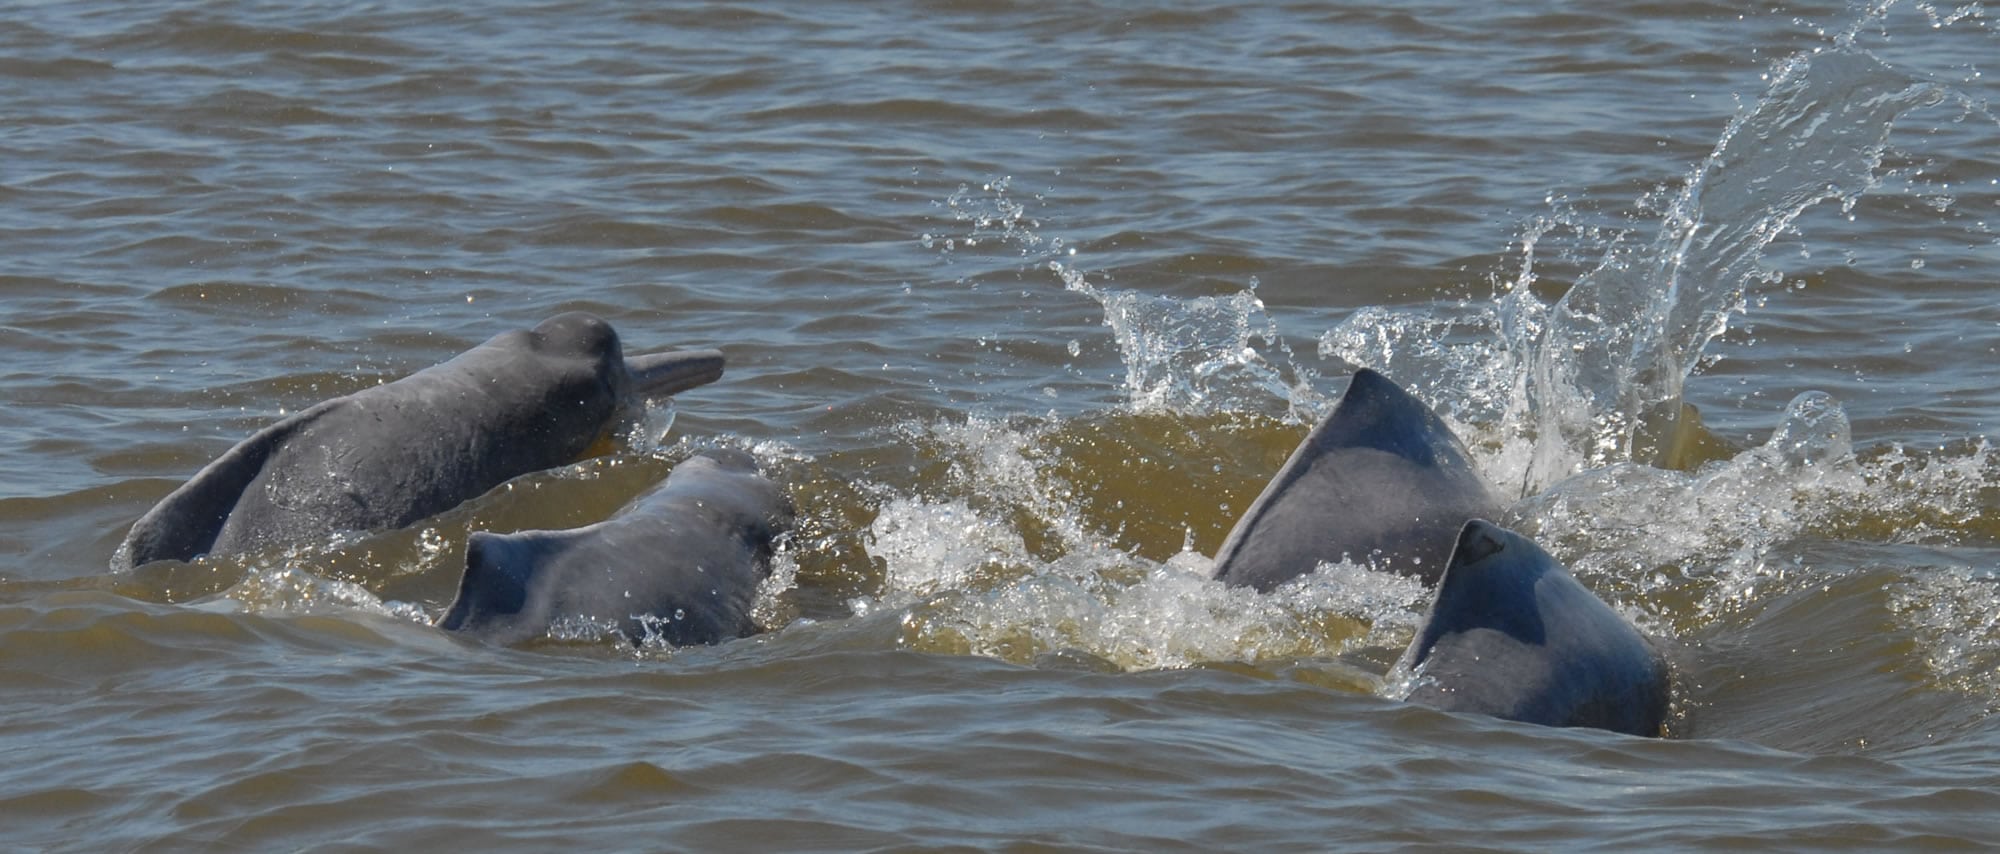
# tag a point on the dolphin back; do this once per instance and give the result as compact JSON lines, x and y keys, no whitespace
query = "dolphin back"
{"x":1380,"y":478}
{"x":680,"y":564}
{"x":1512,"y":634}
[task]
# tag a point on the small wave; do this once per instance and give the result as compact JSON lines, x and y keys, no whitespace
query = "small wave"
{"x":61,"y":68}
{"x":905,"y":111}
{"x":184,"y":31}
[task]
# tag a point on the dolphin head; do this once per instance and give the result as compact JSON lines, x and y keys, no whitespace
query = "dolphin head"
{"x":587,"y":337}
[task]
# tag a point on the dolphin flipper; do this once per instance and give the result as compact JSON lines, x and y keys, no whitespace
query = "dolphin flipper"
{"x":185,"y":524}
{"x":1380,"y":478}
{"x":1512,"y":634}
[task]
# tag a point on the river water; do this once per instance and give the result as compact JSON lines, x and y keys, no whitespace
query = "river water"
{"x":1023,"y":303}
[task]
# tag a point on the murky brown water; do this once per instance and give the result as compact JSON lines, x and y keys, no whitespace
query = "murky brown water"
{"x":1023,"y":305}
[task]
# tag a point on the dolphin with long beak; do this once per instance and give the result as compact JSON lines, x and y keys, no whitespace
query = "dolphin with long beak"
{"x":388,"y":456}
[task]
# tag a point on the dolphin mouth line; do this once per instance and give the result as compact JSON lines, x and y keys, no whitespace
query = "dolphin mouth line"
{"x":663,"y":374}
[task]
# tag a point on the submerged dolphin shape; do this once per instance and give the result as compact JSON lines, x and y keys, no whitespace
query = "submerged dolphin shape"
{"x":388,"y":456}
{"x":1512,"y":634}
{"x":1380,"y":478}
{"x":681,"y":563}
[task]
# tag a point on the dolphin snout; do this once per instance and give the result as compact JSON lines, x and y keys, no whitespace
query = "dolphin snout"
{"x":662,"y":374}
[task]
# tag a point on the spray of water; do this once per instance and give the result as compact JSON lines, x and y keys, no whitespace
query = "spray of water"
{"x":1566,"y":401}
{"x":1571,"y":402}
{"x":1613,"y":353}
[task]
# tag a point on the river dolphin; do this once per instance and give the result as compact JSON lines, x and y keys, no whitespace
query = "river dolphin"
{"x":1512,"y":634}
{"x":1380,"y":479}
{"x":681,"y":563}
{"x":388,"y":456}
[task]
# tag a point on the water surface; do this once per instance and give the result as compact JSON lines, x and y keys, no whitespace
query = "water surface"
{"x":1023,"y":304}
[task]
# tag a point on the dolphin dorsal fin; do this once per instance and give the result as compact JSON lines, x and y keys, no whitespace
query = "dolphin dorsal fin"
{"x":1377,"y":413}
{"x":1380,"y":473}
{"x":499,"y":577}
{"x":1486,"y":585}
{"x":1513,"y":634}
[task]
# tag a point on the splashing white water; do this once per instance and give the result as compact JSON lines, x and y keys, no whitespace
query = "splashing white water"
{"x":967,"y":579}
{"x":286,"y":589}
{"x":1192,"y":356}
{"x":1555,"y":395}
{"x":1618,"y":346}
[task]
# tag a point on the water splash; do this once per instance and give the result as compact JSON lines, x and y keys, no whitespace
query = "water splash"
{"x":1451,"y":346}
{"x":1647,"y":532}
{"x":287,"y":589}
{"x":1955,"y":612}
{"x":1199,"y":355}
{"x":1619,"y":345}
{"x":644,"y":429}
{"x":1595,"y":377}
{"x":991,"y":216}
{"x":1568,"y":399}
{"x":932,"y":548}
{"x":1195,"y":355}
{"x":1005,"y":565}
{"x":1170,"y":615}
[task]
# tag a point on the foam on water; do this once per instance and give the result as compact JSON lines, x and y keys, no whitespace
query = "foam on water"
{"x":1551,"y":389}
{"x":285,"y":589}
{"x":1664,"y":536}
{"x":1556,"y":396}
{"x":1954,"y":610}
{"x":967,"y":587}
{"x":968,"y":578}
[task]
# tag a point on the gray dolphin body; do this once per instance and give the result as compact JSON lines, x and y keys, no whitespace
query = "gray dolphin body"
{"x":1381,"y":477}
{"x":681,"y":563}
{"x":1512,"y":634}
{"x":391,"y":455}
